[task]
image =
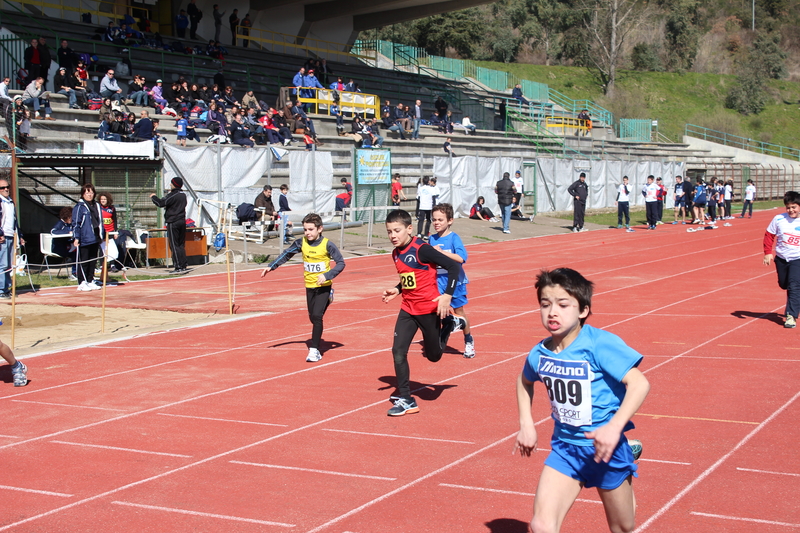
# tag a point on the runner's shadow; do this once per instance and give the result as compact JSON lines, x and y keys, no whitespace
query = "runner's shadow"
{"x":420,"y":390}
{"x":772,"y":317}
{"x":507,"y":525}
{"x":323,"y":345}
{"x":6,"y":376}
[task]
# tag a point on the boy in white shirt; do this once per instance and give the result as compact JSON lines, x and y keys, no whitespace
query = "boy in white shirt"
{"x":623,"y":204}
{"x":749,"y":196}
{"x":782,"y":233}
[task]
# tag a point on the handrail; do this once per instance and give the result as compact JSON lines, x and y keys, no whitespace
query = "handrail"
{"x":348,"y":102}
{"x":743,"y":143}
{"x":546,"y":134}
{"x":576,"y":106}
{"x":128,"y":10}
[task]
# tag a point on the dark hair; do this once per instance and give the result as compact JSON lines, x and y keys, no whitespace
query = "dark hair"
{"x":343,"y":180}
{"x":313,"y":218}
{"x":399,"y":215}
{"x":65,"y":213}
{"x":284,"y":187}
{"x":267,"y":187}
{"x":481,"y":198}
{"x":426,"y":180}
{"x":88,"y":187}
{"x":791,"y":197}
{"x":446,"y":209}
{"x":583,"y":175}
{"x":108,"y":197}
{"x":651,"y":177}
{"x":572,"y":282}
{"x":396,"y":176}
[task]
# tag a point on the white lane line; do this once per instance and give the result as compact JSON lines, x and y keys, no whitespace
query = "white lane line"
{"x":71,"y":405}
{"x":500,"y":491}
{"x":198,"y":513}
{"x":398,"y":436}
{"x":34,"y":491}
{"x":767,"y":472}
{"x":666,"y":462}
{"x":742,"y":519}
{"x":120,"y":449}
{"x":330,"y":472}
{"x":667,"y":506}
{"x":225,"y":420}
{"x":9,"y":437}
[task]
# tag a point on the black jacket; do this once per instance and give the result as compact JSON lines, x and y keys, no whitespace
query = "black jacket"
{"x":505,"y":191}
{"x":174,"y":205}
{"x":579,"y":189}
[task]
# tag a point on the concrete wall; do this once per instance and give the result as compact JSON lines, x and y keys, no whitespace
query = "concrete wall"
{"x":744,"y":157}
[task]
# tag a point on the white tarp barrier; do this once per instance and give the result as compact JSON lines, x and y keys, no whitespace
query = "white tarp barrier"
{"x":471,"y":176}
{"x":554,"y":176}
{"x":310,"y":182}
{"x":98,"y":147}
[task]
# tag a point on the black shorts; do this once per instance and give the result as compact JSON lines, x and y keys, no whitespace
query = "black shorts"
{"x":699,"y":204}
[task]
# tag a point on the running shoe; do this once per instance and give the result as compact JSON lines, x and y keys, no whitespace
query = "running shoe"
{"x":506,"y":231}
{"x":619,"y":226}
{"x":469,"y":349}
{"x":313,"y":355}
{"x":20,"y":373}
{"x":629,"y":230}
{"x":790,"y":322}
{"x":84,"y":287}
{"x":72,"y":277}
{"x":636,"y":448}
{"x":450,"y":324}
{"x":674,"y":223}
{"x":403,"y":406}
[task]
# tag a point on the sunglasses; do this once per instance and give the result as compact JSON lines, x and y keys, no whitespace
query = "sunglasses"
{"x":5,"y":188}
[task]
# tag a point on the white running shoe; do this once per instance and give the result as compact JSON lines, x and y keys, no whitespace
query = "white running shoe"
{"x":94,"y":286}
{"x":84,"y":287}
{"x":313,"y":355}
{"x":469,"y":349}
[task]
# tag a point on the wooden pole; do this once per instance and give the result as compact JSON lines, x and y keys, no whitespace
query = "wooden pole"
{"x":14,"y":290}
{"x":105,"y":283}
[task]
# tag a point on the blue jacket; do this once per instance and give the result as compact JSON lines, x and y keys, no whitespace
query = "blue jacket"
{"x":82,"y":228}
{"x":142,"y":130}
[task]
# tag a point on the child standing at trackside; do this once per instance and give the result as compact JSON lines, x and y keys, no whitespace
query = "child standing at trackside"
{"x":182,"y":127}
{"x":450,"y":244}
{"x":728,"y":199}
{"x":749,"y":197}
{"x":283,"y":209}
{"x":680,"y":201}
{"x":699,"y":202}
{"x":623,"y":204}
{"x":424,"y":206}
{"x":783,"y":233}
{"x":317,"y":252}
{"x":650,"y":193}
{"x":595,"y":388}
{"x":397,"y":190}
{"x":422,"y":306}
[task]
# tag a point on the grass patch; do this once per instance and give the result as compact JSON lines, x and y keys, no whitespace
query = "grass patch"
{"x":484,"y":238}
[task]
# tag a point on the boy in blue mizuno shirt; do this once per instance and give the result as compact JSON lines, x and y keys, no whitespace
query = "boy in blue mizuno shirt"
{"x":594,"y":389}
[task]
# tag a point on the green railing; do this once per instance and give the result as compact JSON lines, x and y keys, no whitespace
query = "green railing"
{"x":635,"y":129}
{"x":570,"y":105}
{"x":742,"y":143}
{"x":518,"y":123}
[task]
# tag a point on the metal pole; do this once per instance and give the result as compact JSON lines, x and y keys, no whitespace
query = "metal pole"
{"x":314,"y":177}
{"x":219,"y":173}
{"x":129,"y":210}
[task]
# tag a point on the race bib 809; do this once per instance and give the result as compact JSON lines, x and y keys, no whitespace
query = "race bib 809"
{"x":569,"y":387}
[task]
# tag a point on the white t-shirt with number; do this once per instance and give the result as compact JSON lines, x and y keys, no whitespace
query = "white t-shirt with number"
{"x":787,"y":236}
{"x":750,"y":192}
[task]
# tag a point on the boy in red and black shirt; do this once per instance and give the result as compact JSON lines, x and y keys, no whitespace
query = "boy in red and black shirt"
{"x":422,"y":306}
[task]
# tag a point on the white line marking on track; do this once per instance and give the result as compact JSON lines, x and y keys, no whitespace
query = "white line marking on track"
{"x":9,"y":437}
{"x":34,"y":491}
{"x":428,"y":439}
{"x":330,"y":472}
{"x":119,"y":449}
{"x":71,"y":405}
{"x":767,"y":472}
{"x":666,"y":507}
{"x":198,"y":513}
{"x":742,"y":519}
{"x":225,"y":420}
{"x":512,"y":492}
{"x":665,"y":462}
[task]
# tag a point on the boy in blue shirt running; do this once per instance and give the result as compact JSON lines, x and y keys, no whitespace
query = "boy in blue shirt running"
{"x":594,"y":389}
{"x":450,"y":244}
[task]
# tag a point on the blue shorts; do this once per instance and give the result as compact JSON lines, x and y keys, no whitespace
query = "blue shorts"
{"x":578,"y":463}
{"x":459,"y":300}
{"x":680,"y":202}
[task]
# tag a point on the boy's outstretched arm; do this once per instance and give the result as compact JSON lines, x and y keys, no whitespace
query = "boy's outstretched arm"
{"x":607,"y":437}
{"x":527,"y":437}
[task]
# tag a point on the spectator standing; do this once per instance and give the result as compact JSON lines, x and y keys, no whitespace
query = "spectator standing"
{"x":397,"y":190}
{"x":194,"y":18}
{"x":246,"y":25}
{"x":111,"y":225}
{"x":88,"y":232}
{"x":441,"y":107}
{"x":109,"y":87}
{"x":217,"y":22}
{"x":47,"y":58}
{"x":504,"y":189}
{"x":181,"y":23}
{"x":623,"y":204}
{"x":688,"y":196}
{"x":680,"y":201}
{"x":33,"y":61}
{"x":749,"y":197}
{"x":66,"y":57}
{"x":650,"y":193}
{"x":517,"y":179}
{"x":417,"y":116}
{"x":174,"y":205}
{"x":425,"y":194}
{"x":579,"y":191}
{"x":36,"y":96}
{"x":10,"y":228}
{"x":662,"y":197}
{"x":699,"y":202}
{"x":5,"y":98}
{"x":728,"y":198}
{"x":297,"y":81}
{"x":233,"y":20}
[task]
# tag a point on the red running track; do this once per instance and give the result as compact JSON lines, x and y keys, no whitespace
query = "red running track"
{"x":227,"y":428}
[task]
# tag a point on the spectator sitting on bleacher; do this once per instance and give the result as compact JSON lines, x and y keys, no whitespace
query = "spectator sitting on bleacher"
{"x":130,"y":124}
{"x":448,"y":148}
{"x":198,"y":95}
{"x":402,"y":118}
{"x":231,"y":113}
{"x":170,"y":94}
{"x":308,"y":139}
{"x":36,"y":96}
{"x":137,"y":91}
{"x":240,"y":134}
{"x":185,"y":93}
{"x":228,"y":99}
{"x":117,"y":125}
{"x":469,"y":127}
{"x":372,"y":128}
{"x":215,"y":120}
{"x":157,"y":94}
{"x":300,"y":117}
{"x":387,"y":108}
{"x":392,"y":125}
{"x":351,"y":87}
{"x":82,"y":74}
{"x":112,"y":32}
{"x":288,"y":116}
{"x":213,"y":49}
{"x":446,"y":124}
{"x":249,"y":101}
{"x":280,"y":122}
{"x":516,"y":93}
{"x":106,"y":108}
{"x":104,"y":132}
{"x":109,"y":87}
{"x":274,"y":134}
{"x":64,"y":84}
{"x":143,"y":130}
